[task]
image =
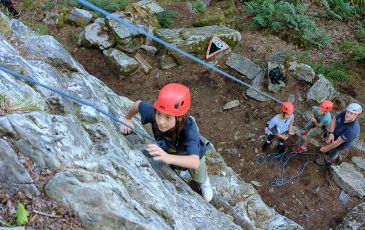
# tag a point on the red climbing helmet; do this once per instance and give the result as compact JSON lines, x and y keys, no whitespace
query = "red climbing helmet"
{"x":173,"y":99}
{"x":326,"y":105}
{"x":287,"y":107}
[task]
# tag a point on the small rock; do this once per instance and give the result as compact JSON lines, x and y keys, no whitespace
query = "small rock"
{"x":256,"y":183}
{"x":344,"y":198}
{"x":231,"y":104}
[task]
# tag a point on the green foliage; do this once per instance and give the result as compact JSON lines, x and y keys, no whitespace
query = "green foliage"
{"x":41,"y":29}
{"x":26,"y":3}
{"x":110,"y":6}
{"x":199,"y":6}
{"x":282,"y":15}
{"x":4,"y":28}
{"x":166,"y":18}
{"x":356,"y":50}
{"x":334,"y":71}
{"x":21,"y":214}
{"x":360,"y":30}
{"x":339,"y":9}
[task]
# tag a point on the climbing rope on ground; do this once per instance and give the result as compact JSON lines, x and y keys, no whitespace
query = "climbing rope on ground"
{"x":170,"y":46}
{"x":77,"y":99}
{"x":283,"y":160}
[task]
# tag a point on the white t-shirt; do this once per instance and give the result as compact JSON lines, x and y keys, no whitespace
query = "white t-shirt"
{"x":281,"y":124}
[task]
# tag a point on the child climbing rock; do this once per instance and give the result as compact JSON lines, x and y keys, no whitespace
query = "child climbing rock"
{"x":179,"y":141}
{"x":280,"y":126}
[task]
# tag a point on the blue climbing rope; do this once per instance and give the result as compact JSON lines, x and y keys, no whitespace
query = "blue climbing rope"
{"x":209,"y":66}
{"x":77,"y":99}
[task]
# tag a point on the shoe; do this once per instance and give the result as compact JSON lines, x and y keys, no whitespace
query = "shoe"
{"x":327,"y":162}
{"x":207,"y":191}
{"x":264,"y":146}
{"x":185,"y":175}
{"x":280,"y":148}
{"x":299,"y":149}
{"x":304,"y":132}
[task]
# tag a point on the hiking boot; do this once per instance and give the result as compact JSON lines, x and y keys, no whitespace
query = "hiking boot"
{"x":300,"y":149}
{"x":281,"y":148}
{"x":264,"y":146}
{"x":207,"y":191}
{"x":185,"y":175}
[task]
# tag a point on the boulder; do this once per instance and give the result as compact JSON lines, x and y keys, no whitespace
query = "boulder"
{"x":19,"y":29}
{"x":80,"y":17}
{"x":243,"y":65}
{"x":321,"y":90}
{"x":97,"y":35}
{"x":360,"y":162}
{"x":302,"y":71}
{"x":355,"y":219}
{"x":121,"y":63}
{"x":196,"y":40}
{"x":219,"y":13}
{"x":257,"y":82}
{"x":154,"y":7}
{"x":349,"y":179}
{"x":14,"y":176}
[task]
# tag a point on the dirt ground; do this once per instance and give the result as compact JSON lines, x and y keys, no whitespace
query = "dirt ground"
{"x":312,"y":199}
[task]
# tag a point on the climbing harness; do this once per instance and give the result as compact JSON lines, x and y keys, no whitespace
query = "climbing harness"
{"x":209,"y":66}
{"x":77,"y":99}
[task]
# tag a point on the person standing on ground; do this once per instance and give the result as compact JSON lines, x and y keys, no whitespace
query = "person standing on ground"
{"x":343,"y":131}
{"x":317,"y":125}
{"x":178,"y":137}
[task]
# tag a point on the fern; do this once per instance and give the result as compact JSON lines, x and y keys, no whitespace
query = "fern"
{"x":166,"y":18}
{"x":339,"y":9}
{"x":355,"y":50}
{"x":280,"y":15}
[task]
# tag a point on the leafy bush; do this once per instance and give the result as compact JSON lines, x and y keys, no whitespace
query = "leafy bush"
{"x":339,"y":9}
{"x":283,"y":15}
{"x":199,"y":6}
{"x":166,"y":18}
{"x":335,"y":71}
{"x":110,"y":6}
{"x":356,"y":50}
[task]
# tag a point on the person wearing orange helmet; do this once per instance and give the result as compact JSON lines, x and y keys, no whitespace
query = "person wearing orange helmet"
{"x":280,"y":126}
{"x":317,"y":125}
{"x":179,"y":141}
{"x":343,"y":131}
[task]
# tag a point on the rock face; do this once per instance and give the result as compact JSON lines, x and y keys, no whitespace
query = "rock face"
{"x":349,"y":179}
{"x":355,"y":219}
{"x":196,"y":40}
{"x":105,"y":176}
{"x":321,"y":90}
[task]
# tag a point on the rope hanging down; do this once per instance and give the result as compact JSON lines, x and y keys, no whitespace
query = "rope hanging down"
{"x":77,"y":99}
{"x":209,"y":66}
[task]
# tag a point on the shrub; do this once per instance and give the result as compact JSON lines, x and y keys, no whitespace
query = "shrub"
{"x":360,"y":30}
{"x":339,"y":9}
{"x":166,"y":18}
{"x":334,"y":71}
{"x":199,"y":6}
{"x":356,"y":50}
{"x":282,"y":15}
{"x":110,"y":6}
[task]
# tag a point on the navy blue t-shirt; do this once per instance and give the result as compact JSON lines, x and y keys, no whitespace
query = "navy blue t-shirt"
{"x":347,"y":131}
{"x":189,"y":142}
